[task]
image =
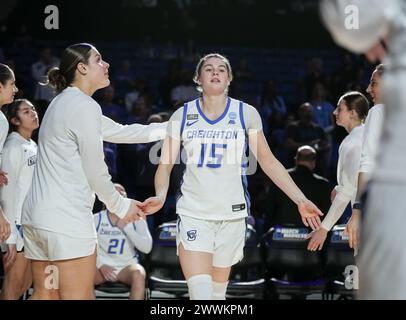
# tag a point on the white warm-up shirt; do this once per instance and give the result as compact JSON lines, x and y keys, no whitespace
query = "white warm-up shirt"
{"x":347,"y":176}
{"x":372,"y":135}
{"x":70,"y":165}
{"x":19,"y":158}
{"x":3,"y":132}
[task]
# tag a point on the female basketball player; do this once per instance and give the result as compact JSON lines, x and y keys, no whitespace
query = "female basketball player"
{"x":8,"y":90}
{"x":57,"y":214}
{"x":214,"y":201}
{"x":18,"y":160}
{"x":352,"y":108}
{"x":372,"y":135}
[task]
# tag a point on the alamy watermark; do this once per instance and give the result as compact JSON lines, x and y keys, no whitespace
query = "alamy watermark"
{"x":52,"y":20}
{"x":52,"y":280}
{"x":351,"y":276}
{"x":351,"y":21}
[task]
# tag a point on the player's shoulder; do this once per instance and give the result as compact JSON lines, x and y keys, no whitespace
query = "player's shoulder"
{"x":14,"y":143}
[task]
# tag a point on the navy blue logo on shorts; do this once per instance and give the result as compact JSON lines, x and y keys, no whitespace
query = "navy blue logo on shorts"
{"x":191,"y":235}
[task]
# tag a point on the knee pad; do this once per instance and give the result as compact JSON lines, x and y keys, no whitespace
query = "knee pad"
{"x":200,"y":287}
{"x":219,"y":290}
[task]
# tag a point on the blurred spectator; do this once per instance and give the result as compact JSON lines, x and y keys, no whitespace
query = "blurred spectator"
{"x":306,"y":132}
{"x":139,"y":88}
{"x":169,"y":81}
{"x":140,"y":110}
{"x":313,"y":76}
{"x":109,"y":108}
{"x":185,"y":91}
{"x":270,"y":103}
{"x":282,"y":211}
{"x":39,"y":72}
{"x":243,"y":73}
{"x":322,"y":109}
{"x":124,"y":79}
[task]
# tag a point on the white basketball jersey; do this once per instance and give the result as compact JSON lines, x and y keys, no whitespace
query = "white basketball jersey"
{"x":214,"y":185}
{"x":115,"y":249}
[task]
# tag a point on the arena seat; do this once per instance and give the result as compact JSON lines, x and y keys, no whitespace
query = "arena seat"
{"x":291,"y":269}
{"x":339,"y":262}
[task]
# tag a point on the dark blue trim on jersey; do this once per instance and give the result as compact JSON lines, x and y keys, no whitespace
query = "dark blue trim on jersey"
{"x":244,"y":180}
{"x":108,"y":218}
{"x":242,"y":116}
{"x":219,"y":118}
{"x":98,"y":224}
{"x":182,"y":126}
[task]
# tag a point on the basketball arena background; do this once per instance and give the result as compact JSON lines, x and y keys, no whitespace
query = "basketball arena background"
{"x":278,"y":50}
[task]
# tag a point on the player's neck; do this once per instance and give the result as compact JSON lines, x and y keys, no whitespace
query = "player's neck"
{"x":213,"y":105}
{"x":113,"y":218}
{"x":25,"y":133}
{"x":352,"y":125}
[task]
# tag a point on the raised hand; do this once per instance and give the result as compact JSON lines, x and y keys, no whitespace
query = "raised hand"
{"x":310,"y":214}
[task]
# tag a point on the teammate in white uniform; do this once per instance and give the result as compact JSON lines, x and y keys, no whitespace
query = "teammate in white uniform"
{"x":117,"y":257}
{"x":57,"y":214}
{"x":382,"y":261}
{"x":214,"y":202}
{"x":352,"y":108}
{"x":370,"y":144}
{"x":19,"y":158}
{"x":8,"y":90}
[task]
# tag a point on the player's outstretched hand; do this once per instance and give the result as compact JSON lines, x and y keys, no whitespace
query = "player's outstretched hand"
{"x":153,"y":204}
{"x":310,"y":214}
{"x":317,"y":239}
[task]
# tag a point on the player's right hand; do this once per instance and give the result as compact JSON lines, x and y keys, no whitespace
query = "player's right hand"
{"x":153,"y":204}
{"x":134,"y":213}
{"x":3,"y":178}
{"x":317,"y":239}
{"x":108,"y":273}
{"x":352,"y":229}
{"x":4,"y":227}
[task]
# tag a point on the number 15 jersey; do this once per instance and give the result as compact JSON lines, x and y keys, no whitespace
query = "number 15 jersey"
{"x":214,"y":184}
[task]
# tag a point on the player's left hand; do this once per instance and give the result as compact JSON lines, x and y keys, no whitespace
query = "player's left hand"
{"x":310,"y":214}
{"x":317,"y":239}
